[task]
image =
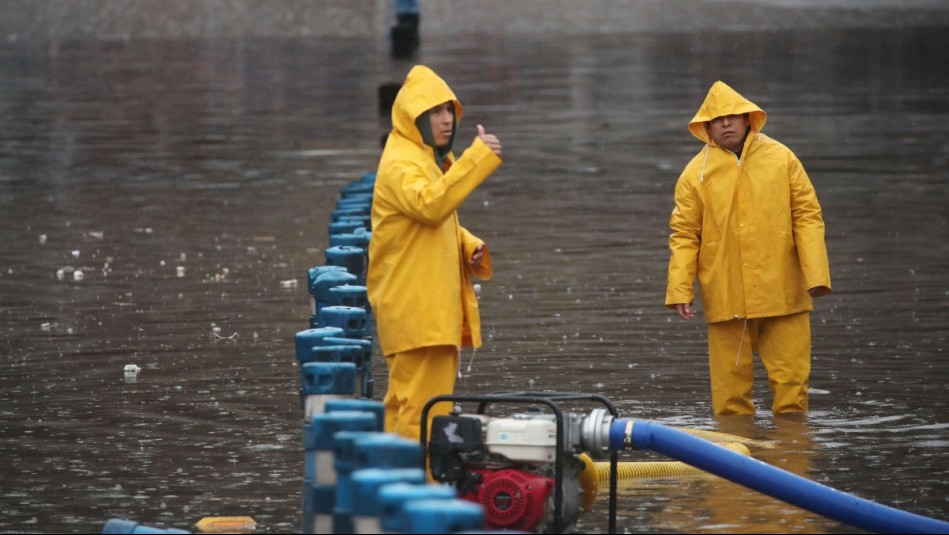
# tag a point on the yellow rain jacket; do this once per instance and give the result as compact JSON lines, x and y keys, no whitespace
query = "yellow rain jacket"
{"x":418,"y":276}
{"x":750,"y":228}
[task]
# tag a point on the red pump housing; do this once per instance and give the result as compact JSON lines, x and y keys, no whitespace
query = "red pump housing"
{"x":512,"y":499}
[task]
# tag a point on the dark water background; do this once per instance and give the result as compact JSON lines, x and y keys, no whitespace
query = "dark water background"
{"x":189,"y":180}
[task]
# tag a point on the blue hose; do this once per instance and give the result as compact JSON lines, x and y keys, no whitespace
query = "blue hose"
{"x":770,"y":480}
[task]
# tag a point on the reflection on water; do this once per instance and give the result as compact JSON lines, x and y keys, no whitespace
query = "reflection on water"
{"x":188,"y":180}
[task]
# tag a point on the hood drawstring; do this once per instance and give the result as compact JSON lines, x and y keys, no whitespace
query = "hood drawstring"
{"x":741,"y":341}
{"x":704,"y":163}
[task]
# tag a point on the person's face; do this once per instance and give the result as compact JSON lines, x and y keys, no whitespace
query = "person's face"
{"x":729,"y":131}
{"x":443,"y":120}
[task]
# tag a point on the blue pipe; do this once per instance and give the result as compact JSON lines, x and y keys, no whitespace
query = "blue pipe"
{"x":770,"y":480}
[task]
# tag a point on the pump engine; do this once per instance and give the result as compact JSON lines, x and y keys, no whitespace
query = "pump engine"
{"x":508,"y":465}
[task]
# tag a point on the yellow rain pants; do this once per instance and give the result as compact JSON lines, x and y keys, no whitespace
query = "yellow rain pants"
{"x":415,"y":377}
{"x":783,"y":344}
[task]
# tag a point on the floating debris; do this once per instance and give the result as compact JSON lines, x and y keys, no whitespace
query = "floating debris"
{"x":292,"y":283}
{"x":62,"y":272}
{"x":226,"y":524}
{"x":215,"y":333}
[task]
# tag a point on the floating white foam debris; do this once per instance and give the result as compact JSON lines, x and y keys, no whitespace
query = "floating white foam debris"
{"x":477,"y":288}
{"x":78,"y":275}
{"x":62,"y":272}
{"x":42,"y":238}
{"x":216,"y":334}
{"x":219,"y":337}
{"x":132,"y":369}
{"x":291,"y":283}
{"x":817,"y":391}
{"x":97,"y":234}
{"x":183,"y":257}
{"x":181,"y":271}
{"x":75,"y":253}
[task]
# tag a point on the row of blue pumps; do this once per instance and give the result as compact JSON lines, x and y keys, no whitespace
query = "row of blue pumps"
{"x":357,"y":478}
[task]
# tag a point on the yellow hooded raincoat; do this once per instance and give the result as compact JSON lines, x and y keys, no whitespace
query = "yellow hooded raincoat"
{"x":749,"y":228}
{"x":418,"y":277}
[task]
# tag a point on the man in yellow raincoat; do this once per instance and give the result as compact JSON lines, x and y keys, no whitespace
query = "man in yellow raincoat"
{"x":748,"y":225}
{"x":420,"y":257}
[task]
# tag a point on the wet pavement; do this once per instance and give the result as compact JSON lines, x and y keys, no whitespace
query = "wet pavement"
{"x":190,"y":181}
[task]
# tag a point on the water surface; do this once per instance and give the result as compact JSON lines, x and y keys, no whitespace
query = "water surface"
{"x":190,"y":181}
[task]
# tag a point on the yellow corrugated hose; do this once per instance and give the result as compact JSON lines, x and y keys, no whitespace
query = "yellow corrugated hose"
{"x":652,"y":469}
{"x":596,"y":473}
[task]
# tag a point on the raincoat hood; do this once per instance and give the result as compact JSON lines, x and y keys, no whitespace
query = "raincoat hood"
{"x":723,"y":100}
{"x":421,"y":91}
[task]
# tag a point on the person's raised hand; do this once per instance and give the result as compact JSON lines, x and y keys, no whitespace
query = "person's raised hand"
{"x":490,"y":140}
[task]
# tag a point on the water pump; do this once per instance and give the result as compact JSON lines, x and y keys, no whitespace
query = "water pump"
{"x":511,"y":465}
{"x":531,"y":472}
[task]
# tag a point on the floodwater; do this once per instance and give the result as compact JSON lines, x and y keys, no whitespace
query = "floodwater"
{"x":191,"y":181}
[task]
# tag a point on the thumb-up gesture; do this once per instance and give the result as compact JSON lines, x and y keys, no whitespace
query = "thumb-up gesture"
{"x":490,"y":140}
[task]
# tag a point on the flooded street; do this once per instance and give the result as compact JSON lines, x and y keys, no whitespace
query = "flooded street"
{"x":190,"y":181}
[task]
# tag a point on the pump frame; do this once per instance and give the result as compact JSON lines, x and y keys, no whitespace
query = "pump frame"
{"x":549,"y":399}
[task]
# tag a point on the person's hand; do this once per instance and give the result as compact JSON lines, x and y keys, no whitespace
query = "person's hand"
{"x":818,"y":291}
{"x":477,"y":256}
{"x":490,"y":140}
{"x":685,"y":311}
